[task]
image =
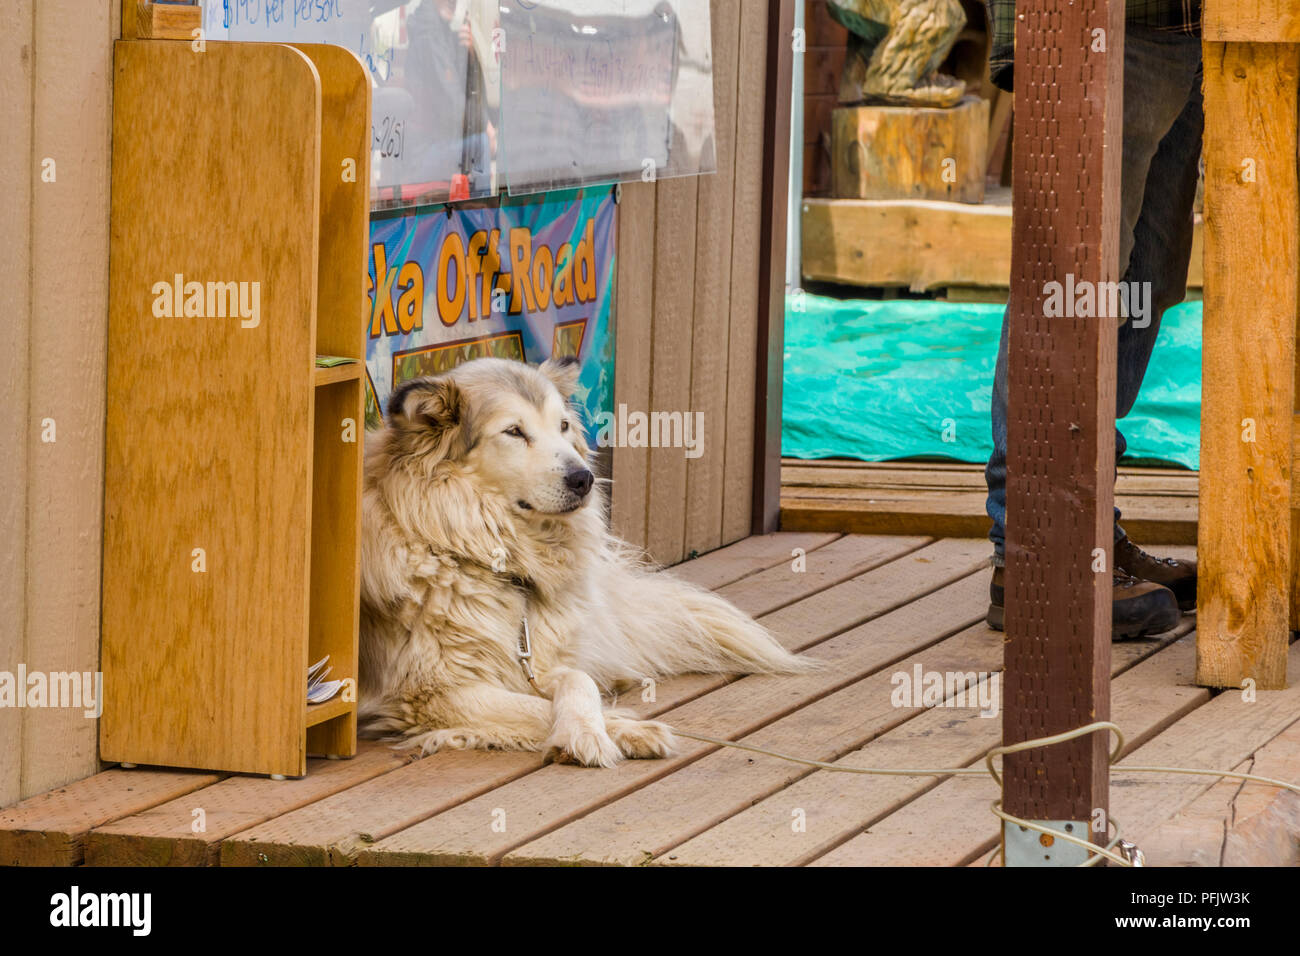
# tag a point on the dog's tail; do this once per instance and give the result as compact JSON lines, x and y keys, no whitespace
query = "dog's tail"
{"x":675,"y":627}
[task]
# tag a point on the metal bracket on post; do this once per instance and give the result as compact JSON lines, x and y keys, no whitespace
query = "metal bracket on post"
{"x":1026,"y":847}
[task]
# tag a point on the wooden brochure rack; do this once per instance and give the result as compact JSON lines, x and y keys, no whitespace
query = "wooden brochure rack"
{"x":233,"y":463}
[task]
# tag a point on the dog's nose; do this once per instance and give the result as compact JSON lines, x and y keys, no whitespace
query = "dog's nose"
{"x":579,"y":481}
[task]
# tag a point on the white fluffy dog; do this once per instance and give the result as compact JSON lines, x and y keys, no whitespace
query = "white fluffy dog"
{"x":484,"y":537}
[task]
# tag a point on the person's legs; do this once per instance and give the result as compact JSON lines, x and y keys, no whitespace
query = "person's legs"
{"x":1160,"y":253}
{"x":1162,"y":128}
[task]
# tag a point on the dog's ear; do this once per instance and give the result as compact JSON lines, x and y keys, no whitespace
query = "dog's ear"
{"x":434,"y":402}
{"x":563,"y":373}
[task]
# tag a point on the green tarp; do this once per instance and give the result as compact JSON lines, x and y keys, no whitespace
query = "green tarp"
{"x":879,"y":380}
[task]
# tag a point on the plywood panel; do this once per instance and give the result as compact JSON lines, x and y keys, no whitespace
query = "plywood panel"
{"x":345,"y":217}
{"x":16,"y":72}
{"x":69,"y":288}
{"x":226,"y":446}
{"x":336,"y":460}
{"x":334,"y":622}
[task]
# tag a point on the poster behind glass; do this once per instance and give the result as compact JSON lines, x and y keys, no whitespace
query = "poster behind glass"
{"x":432,"y":139}
{"x":473,"y":95}
{"x":599,"y":91}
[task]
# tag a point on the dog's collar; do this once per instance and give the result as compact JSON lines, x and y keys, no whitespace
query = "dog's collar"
{"x":523,"y":583}
{"x":517,"y":581}
{"x":524,"y":651}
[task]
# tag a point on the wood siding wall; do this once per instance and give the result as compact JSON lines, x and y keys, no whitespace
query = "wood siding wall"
{"x":687,"y":314}
{"x":56,"y":71}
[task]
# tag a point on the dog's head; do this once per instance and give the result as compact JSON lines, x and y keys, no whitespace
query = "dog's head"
{"x":507,"y":424}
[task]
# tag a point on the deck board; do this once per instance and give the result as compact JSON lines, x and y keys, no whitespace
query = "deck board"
{"x":869,"y":606}
{"x":50,"y":829}
{"x":748,"y":556}
{"x":637,"y":829}
{"x":167,"y":835}
{"x":836,"y":806}
{"x":1221,"y":734}
{"x":804,"y":573}
{"x":331,"y":831}
{"x":947,"y":499}
{"x":951,"y":824}
{"x":556,"y":795}
{"x":1236,"y":823}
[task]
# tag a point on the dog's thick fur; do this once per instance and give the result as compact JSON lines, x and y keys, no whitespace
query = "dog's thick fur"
{"x":479,"y":509}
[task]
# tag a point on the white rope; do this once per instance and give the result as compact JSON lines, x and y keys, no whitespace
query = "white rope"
{"x":1096,"y":853}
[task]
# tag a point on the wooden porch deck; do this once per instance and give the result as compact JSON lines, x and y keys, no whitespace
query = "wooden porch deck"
{"x":870,"y":606}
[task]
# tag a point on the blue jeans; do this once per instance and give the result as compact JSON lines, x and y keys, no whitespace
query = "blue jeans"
{"x":1163,"y":120}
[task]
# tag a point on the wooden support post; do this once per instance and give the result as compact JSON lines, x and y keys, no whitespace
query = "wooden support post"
{"x":766,"y":511}
{"x":1061,"y":429}
{"x":1247,"y":551}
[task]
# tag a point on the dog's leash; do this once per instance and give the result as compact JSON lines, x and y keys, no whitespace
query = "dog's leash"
{"x":526,"y":655}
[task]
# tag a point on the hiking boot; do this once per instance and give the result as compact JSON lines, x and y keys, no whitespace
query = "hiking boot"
{"x":1137,"y":608}
{"x":1178,"y":576}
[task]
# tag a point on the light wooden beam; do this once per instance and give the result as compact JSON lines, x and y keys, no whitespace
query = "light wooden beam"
{"x":1251,"y":21}
{"x":1248,"y":363}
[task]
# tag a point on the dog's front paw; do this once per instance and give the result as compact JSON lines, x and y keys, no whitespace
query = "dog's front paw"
{"x":583,"y":743}
{"x":433,"y":741}
{"x":641,"y":738}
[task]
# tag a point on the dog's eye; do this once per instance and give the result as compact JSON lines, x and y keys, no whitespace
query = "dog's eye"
{"x":564,"y":425}
{"x":516,"y":432}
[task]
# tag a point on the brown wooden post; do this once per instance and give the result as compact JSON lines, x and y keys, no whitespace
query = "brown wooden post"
{"x":771,"y":270}
{"x":1061,"y":428}
{"x":1247,"y":595}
